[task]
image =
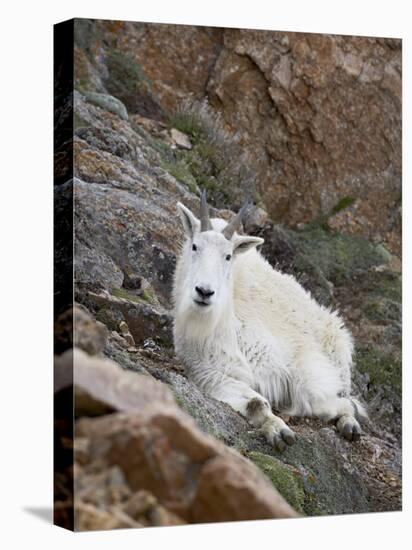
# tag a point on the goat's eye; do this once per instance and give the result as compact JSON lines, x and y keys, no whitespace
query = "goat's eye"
{"x":228,"y":257}
{"x":194,"y":247}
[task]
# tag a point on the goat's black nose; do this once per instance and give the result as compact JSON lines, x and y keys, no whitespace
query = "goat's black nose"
{"x":204,"y":292}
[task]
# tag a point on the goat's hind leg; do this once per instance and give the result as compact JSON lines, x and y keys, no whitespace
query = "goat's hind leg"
{"x":348,"y":423}
{"x":344,"y":411}
{"x":319,"y":386}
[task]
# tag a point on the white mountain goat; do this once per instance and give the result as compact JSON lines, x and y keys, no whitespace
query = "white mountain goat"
{"x":252,"y":337}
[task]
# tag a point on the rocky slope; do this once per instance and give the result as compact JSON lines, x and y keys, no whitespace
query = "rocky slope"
{"x":132,"y":164}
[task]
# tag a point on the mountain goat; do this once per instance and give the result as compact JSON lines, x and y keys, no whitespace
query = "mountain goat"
{"x":252,"y":337}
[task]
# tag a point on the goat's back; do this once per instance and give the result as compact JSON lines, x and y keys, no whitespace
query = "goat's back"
{"x":267,"y":297}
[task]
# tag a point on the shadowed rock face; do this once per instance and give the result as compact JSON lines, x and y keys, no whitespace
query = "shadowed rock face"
{"x":129,"y":174}
{"x":319,"y":115}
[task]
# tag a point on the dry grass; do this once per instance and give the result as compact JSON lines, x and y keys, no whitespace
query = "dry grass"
{"x":217,"y":161}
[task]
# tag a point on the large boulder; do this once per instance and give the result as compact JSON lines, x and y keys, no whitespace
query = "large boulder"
{"x":149,"y":446}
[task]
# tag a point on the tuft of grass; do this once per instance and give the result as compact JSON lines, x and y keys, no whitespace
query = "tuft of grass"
{"x":125,"y":69}
{"x":188,"y":123}
{"x":323,"y":219}
{"x":182,"y":173}
{"x":148,"y":295}
{"x":344,"y":203}
{"x":216,"y":161}
{"x":128,"y":82}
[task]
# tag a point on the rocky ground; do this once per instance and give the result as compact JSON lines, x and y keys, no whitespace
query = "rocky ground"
{"x":139,"y":458}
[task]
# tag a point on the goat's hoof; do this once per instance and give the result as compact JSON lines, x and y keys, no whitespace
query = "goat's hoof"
{"x":283,"y":439}
{"x":351,"y":432}
{"x":279,"y":444}
{"x":349,"y":428}
{"x":288,"y":436}
{"x":278,"y":434}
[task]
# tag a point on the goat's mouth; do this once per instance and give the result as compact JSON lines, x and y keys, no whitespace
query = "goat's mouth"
{"x":202,"y":303}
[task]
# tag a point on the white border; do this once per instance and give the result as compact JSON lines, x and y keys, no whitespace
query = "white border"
{"x":26,"y":268}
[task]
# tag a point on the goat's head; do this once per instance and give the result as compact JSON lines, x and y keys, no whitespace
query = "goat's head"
{"x":208,"y":257}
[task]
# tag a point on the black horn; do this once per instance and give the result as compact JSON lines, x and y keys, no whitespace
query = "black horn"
{"x":205,"y":224}
{"x":235,"y":223}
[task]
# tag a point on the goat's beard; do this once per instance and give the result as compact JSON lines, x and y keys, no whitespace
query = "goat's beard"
{"x":198,"y":320}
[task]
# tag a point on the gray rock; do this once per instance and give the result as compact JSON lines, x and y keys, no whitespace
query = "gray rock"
{"x":255,"y":219}
{"x":89,"y":335}
{"x":180,"y":139}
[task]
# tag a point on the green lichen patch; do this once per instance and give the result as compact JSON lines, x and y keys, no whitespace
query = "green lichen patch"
{"x":108,"y":316}
{"x":147,"y":295}
{"x":286,"y":480}
{"x":122,"y":293}
{"x":79,"y":122}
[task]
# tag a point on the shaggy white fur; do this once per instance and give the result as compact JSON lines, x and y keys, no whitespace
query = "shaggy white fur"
{"x":252,"y":337}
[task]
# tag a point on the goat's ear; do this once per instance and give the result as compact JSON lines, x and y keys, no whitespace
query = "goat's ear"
{"x":191,"y":224}
{"x":243,"y":244}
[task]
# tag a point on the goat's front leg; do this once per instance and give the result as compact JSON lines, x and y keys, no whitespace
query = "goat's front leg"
{"x":257,"y":410}
{"x":277,"y":432}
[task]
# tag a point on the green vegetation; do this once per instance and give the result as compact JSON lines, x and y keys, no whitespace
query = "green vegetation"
{"x":146,"y":296}
{"x":383,"y":368}
{"x":125,"y":72}
{"x":386,"y":284}
{"x":162,"y":148}
{"x":189,"y":123}
{"x":382,"y":309}
{"x":182,"y":173}
{"x":216,"y":161}
{"x":128,"y":82}
{"x":323,"y":219}
{"x":338,"y":257}
{"x":287,"y":481}
{"x":322,"y":259}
